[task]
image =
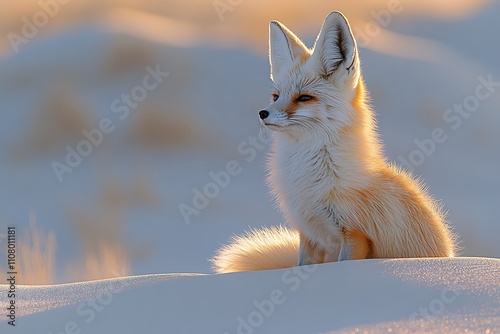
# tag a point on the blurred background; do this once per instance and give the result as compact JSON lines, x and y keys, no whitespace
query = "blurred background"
{"x":101,"y":155}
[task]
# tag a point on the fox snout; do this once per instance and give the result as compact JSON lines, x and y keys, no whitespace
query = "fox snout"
{"x":274,"y":119}
{"x":263,"y":114}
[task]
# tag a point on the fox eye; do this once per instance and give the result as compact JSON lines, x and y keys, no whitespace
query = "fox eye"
{"x":304,"y":98}
{"x":275,"y":97}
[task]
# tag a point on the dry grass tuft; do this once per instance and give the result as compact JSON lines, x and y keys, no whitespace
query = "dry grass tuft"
{"x":35,"y":256}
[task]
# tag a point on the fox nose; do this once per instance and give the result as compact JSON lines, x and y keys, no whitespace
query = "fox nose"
{"x":263,"y":114}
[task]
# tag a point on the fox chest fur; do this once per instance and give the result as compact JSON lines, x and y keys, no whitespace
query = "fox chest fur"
{"x":303,"y":179}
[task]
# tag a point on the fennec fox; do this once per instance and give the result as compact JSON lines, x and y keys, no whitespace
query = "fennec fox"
{"x":327,"y":169}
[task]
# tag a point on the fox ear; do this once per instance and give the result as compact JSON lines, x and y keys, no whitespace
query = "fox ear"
{"x":335,"y":50}
{"x":284,"y":48}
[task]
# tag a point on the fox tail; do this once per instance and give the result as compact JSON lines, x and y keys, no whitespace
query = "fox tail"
{"x":259,"y":249}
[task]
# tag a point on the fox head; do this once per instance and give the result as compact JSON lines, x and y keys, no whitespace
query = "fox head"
{"x":314,"y":89}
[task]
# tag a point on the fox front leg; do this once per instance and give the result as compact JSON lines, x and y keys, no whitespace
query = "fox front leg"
{"x":309,"y":253}
{"x":355,"y":246}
